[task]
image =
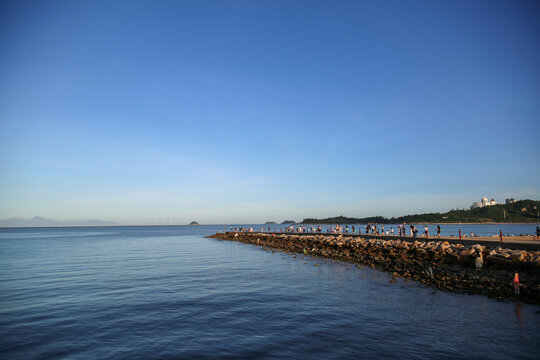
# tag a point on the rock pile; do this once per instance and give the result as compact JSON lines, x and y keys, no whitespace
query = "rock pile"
{"x":436,"y":263}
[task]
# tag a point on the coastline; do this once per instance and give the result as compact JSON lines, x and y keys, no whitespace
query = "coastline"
{"x":438,"y":264}
{"x":255,"y":224}
{"x":477,"y":223}
{"x":430,"y":223}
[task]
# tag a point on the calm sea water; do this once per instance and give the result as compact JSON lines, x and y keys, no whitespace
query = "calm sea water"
{"x":171,"y":293}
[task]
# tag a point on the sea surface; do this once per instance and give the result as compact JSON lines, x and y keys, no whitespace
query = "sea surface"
{"x":168,"y":292}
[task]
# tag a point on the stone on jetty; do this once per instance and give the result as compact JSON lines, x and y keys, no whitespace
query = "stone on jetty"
{"x":517,"y":255}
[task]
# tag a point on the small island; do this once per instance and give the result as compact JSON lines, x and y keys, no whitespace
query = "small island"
{"x":288,"y":222}
{"x":270,"y":223}
{"x":194,"y":223}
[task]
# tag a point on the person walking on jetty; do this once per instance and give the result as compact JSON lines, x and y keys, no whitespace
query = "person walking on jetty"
{"x":516,"y":283}
{"x":426,"y":232}
{"x":438,"y":231}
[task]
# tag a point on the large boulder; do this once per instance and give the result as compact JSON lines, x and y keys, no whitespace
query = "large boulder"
{"x":517,"y":255}
{"x":468,"y":252}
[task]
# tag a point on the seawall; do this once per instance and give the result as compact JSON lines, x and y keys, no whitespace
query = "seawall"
{"x":439,"y":264}
{"x":509,"y":242}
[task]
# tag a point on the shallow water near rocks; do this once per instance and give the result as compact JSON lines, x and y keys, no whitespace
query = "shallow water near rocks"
{"x":169,"y":292}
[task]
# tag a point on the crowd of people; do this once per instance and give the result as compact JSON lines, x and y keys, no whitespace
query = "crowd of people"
{"x":369,"y":229}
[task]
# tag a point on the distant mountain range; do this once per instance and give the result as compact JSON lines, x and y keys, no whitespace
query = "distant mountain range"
{"x":38,"y":221}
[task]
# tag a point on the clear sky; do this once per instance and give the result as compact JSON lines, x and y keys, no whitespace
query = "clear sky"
{"x":254,"y":111}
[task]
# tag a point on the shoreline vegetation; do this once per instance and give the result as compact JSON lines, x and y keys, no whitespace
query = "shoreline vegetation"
{"x":439,"y":264}
{"x":519,"y":212}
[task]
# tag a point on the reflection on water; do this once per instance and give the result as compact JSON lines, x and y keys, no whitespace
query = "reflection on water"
{"x":518,"y":311}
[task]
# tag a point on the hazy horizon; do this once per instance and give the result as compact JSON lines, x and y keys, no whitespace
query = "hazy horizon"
{"x":176,"y":221}
{"x":247,"y":112}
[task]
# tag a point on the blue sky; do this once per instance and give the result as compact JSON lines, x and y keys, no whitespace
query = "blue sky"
{"x":251,"y":111}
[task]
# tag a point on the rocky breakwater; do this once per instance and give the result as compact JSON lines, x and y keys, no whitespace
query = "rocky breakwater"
{"x":437,"y":264}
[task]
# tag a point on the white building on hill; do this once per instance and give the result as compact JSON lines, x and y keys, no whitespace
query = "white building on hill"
{"x":476,"y":205}
{"x":483,"y":202}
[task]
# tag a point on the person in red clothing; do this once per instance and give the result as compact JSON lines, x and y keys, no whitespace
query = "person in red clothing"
{"x":516,"y":284}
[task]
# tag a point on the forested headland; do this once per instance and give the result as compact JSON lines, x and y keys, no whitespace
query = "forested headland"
{"x":522,"y":211}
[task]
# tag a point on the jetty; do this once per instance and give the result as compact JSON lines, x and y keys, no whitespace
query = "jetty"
{"x":527,"y":242}
{"x":442,"y":263}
